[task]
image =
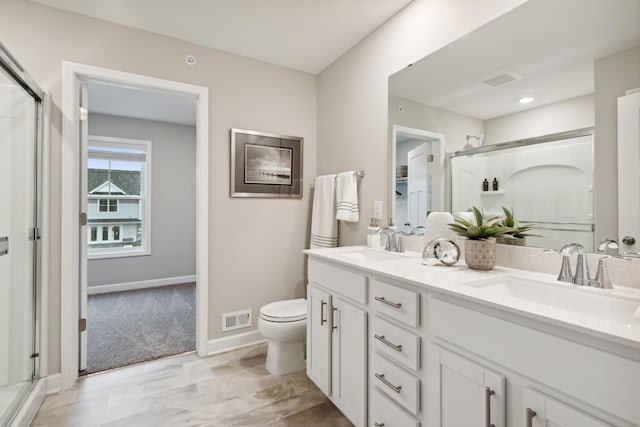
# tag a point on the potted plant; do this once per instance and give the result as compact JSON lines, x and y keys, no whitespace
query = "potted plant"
{"x":516,"y":233}
{"x":480,"y":245}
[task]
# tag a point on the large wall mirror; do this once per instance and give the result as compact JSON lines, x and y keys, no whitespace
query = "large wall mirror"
{"x":526,"y":101}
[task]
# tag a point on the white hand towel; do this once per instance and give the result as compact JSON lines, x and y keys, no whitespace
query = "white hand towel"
{"x":347,"y":197}
{"x":324,"y":226}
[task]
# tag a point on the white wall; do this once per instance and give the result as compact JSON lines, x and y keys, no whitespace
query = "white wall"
{"x":353,"y":91}
{"x":613,"y":75}
{"x":571,"y":114}
{"x":455,"y":127}
{"x":245,"y":270}
{"x":173,"y":202}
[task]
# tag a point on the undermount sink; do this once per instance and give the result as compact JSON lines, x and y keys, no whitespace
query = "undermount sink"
{"x":551,"y":296}
{"x":370,"y":255}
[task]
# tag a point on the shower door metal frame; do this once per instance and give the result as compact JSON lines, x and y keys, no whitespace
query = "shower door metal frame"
{"x":15,"y":71}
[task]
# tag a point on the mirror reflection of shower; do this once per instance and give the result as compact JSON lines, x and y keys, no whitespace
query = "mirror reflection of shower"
{"x":481,"y":140}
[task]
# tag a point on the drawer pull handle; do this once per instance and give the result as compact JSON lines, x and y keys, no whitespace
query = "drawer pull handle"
{"x":382,"y":339}
{"x":378,"y":424}
{"x":322,"y":319}
{"x":386,"y":382}
{"x":335,"y":324}
{"x":384,"y":301}
{"x":530,"y":414}
{"x":487,"y":405}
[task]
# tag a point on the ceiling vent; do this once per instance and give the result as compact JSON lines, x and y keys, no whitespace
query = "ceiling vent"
{"x":501,"y":78}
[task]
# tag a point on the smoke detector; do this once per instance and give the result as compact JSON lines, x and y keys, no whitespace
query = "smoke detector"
{"x":501,"y":78}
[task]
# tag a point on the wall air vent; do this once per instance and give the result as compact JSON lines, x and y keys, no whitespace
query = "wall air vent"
{"x":501,"y":78}
{"x":236,"y":320}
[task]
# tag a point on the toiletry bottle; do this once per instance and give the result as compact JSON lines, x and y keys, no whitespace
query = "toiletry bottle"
{"x":485,"y":185}
{"x":373,"y":238}
{"x":495,"y":184}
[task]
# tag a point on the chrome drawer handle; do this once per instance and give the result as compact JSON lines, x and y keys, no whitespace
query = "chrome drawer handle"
{"x":530,"y":414}
{"x":378,"y":424}
{"x":487,"y":402}
{"x":384,"y":301}
{"x":322,"y":319}
{"x":381,"y":338}
{"x":386,"y":382}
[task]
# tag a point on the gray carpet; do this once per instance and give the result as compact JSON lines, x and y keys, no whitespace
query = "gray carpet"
{"x":136,"y":326}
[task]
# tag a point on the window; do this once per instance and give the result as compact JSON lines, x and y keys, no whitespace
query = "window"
{"x":119,"y":191}
{"x":108,"y":205}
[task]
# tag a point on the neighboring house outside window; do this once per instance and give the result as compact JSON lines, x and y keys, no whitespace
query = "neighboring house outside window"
{"x":118,"y":197}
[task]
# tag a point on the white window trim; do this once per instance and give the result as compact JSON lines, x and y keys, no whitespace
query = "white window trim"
{"x":145,"y":198}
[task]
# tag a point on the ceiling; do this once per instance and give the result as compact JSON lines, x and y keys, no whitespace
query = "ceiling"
{"x":551,"y":44}
{"x":305,"y":35}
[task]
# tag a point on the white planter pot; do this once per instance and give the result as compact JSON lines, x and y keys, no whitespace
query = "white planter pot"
{"x":480,"y":254}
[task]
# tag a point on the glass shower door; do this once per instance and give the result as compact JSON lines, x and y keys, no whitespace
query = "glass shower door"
{"x":18,"y":251}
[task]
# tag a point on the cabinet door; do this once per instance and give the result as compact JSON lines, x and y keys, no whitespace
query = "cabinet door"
{"x":543,"y":411}
{"x":349,"y":360}
{"x":469,"y":394}
{"x":319,"y":338}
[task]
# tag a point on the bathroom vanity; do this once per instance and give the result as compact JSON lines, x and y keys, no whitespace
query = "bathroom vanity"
{"x":393,"y":342}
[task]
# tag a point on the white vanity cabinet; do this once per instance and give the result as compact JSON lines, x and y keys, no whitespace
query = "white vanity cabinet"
{"x":583,"y":385}
{"x":466,"y":393}
{"x":392,"y":349}
{"x":543,"y":411}
{"x":337,"y":337}
{"x":395,"y":374}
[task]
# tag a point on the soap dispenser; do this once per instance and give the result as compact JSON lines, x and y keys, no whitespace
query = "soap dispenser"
{"x":495,"y":184}
{"x":485,"y":185}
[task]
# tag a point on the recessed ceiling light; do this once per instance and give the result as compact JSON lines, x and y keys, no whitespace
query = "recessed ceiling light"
{"x":525,"y":100}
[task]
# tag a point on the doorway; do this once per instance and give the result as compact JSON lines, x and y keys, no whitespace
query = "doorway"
{"x":75,"y":235}
{"x":139,"y":193}
{"x":416,"y":170}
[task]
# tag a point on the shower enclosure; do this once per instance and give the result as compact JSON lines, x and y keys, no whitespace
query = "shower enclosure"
{"x":20,"y":125}
{"x":546,"y":181}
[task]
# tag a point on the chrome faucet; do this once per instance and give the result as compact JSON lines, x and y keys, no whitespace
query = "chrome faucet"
{"x":581,"y":276}
{"x":394,"y":243}
{"x":602,"y":279}
{"x":416,"y":231}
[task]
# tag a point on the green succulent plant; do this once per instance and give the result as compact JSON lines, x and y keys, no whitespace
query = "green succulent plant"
{"x":514,"y":228}
{"x":483,"y":229}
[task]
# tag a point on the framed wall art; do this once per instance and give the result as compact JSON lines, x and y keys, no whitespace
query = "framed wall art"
{"x":265,"y":165}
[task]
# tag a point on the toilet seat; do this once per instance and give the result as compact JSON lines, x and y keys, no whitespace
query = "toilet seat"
{"x":292,"y":310}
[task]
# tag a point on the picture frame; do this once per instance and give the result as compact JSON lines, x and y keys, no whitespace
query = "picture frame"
{"x":265,"y":165}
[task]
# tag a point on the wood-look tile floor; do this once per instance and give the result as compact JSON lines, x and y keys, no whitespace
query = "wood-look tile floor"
{"x":230,"y":389}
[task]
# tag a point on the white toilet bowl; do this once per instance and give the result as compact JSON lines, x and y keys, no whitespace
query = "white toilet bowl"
{"x":284,"y":325}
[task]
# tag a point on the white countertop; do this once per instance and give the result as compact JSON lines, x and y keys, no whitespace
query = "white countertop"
{"x":622,"y":328}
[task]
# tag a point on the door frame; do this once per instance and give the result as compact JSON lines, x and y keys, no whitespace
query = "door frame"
{"x":439,"y":187}
{"x":72,"y":73}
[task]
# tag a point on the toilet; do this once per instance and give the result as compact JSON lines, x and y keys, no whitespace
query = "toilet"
{"x":284,"y":325}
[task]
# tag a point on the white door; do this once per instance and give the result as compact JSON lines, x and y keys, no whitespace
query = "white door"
{"x":542,"y":411}
{"x":417,"y":185}
{"x":349,"y":360}
{"x":629,"y":172}
{"x":470,"y":395}
{"x":84,"y":141}
{"x":319,"y":338}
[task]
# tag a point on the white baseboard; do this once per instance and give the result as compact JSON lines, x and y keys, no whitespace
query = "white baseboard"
{"x":142,"y":284}
{"x":233,"y":342}
{"x":30,"y":407}
{"x":53,"y":384}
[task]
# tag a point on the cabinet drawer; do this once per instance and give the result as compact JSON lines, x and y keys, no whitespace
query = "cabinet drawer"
{"x":338,"y":280}
{"x":385,"y":413}
{"x":397,"y":343}
{"x":396,"y":383}
{"x":396,"y":302}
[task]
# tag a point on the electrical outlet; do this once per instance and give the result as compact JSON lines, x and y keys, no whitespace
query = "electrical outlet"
{"x":377,"y":209}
